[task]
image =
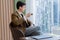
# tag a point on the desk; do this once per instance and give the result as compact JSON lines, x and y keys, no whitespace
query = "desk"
{"x":47,"y":37}
{"x":44,"y":37}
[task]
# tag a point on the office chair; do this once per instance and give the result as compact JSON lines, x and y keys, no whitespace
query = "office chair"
{"x":16,"y":33}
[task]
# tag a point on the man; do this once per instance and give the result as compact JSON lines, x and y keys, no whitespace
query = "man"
{"x":20,"y":21}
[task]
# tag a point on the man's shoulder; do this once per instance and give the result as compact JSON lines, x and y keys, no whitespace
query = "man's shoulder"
{"x":15,"y":13}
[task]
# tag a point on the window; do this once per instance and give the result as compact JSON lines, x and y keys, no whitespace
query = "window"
{"x":46,"y":13}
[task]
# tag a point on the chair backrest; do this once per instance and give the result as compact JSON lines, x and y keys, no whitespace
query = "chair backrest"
{"x":17,"y":34}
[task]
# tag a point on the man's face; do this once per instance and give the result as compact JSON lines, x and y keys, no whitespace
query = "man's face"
{"x":22,"y":8}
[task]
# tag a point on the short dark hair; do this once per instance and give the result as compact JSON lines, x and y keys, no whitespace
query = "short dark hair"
{"x":19,"y":4}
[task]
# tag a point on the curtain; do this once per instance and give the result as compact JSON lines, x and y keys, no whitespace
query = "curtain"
{"x":6,"y":9}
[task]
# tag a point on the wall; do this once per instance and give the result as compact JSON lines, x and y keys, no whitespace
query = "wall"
{"x":6,"y":8}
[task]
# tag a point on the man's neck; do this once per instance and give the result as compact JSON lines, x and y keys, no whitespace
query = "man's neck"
{"x":19,"y":11}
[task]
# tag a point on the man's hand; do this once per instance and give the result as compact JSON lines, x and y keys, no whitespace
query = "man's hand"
{"x":28,"y":15}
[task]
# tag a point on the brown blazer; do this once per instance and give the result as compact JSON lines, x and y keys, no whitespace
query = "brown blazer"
{"x":19,"y":22}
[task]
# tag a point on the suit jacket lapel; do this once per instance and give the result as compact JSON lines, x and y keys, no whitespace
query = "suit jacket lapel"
{"x":18,"y":14}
